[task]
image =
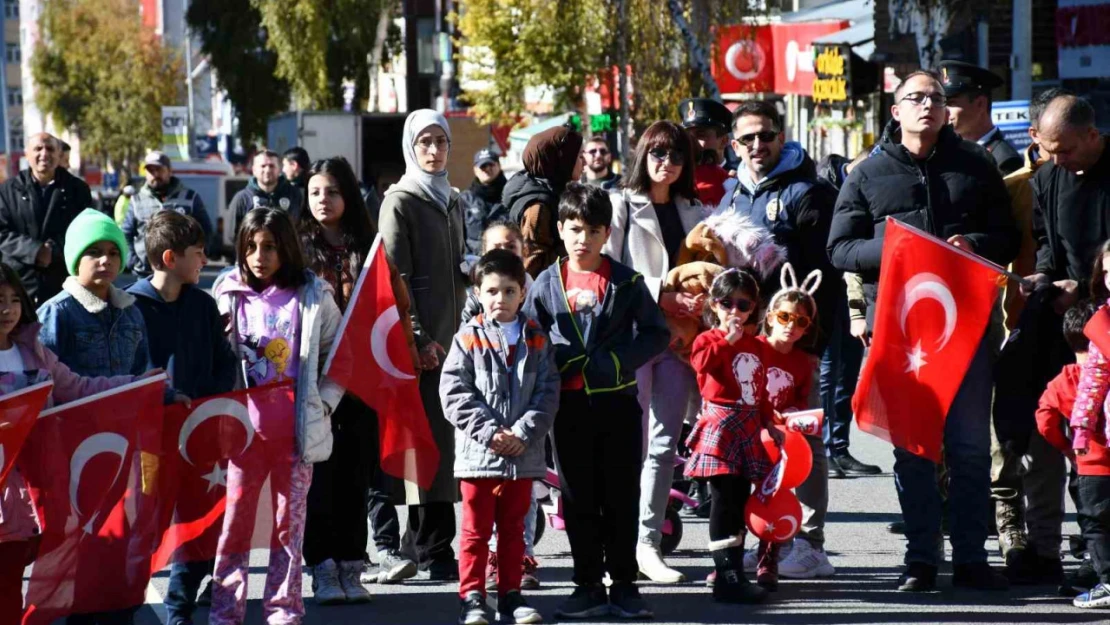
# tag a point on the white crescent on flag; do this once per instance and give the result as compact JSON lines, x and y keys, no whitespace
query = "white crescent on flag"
{"x":102,"y":443}
{"x":925,"y":286}
{"x":213,"y":408}
{"x":379,"y":336}
{"x":793,"y":528}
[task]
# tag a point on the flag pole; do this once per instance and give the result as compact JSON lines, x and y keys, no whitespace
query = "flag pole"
{"x":966,"y":254}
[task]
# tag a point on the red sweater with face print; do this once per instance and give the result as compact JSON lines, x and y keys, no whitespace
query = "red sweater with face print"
{"x":789,"y":378}
{"x":731,"y":374}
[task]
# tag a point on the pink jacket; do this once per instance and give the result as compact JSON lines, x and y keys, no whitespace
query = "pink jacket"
{"x":1087,"y":418}
{"x":17,"y":515}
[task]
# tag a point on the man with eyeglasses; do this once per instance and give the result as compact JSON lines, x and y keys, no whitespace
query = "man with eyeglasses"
{"x":925,"y":175}
{"x":968,"y":88}
{"x":482,"y":198}
{"x":599,"y":164}
{"x":707,"y":122}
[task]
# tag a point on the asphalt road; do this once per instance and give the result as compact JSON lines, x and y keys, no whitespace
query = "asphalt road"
{"x":866,"y":557}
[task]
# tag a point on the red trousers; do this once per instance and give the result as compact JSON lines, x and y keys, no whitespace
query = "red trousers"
{"x":485,"y":501}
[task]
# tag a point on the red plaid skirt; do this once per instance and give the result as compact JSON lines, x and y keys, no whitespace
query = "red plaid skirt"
{"x":725,"y":441}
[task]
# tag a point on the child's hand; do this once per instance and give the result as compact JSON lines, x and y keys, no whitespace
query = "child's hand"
{"x":429,"y":356}
{"x":152,"y":373}
{"x":735,"y":331}
{"x":779,"y":419}
{"x":859,"y":330}
{"x":505,"y":443}
{"x":776,"y":435}
{"x":179,"y":398}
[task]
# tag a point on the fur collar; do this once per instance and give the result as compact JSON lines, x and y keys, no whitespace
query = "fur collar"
{"x":117,"y":298}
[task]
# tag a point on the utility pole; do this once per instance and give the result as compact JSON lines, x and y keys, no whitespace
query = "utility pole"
{"x":1021,"y":56}
{"x":622,"y":75}
{"x":188,"y":75}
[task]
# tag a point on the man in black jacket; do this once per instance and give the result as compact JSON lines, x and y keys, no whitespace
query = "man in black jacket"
{"x":36,"y":208}
{"x":926,"y":176}
{"x":480,"y":200}
{"x":267,"y":189}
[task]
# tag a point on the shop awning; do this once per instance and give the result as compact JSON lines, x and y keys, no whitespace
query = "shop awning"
{"x":861,"y":36}
{"x":852,"y":10}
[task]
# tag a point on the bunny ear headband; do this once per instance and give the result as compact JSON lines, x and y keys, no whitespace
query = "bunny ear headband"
{"x":789,"y":281}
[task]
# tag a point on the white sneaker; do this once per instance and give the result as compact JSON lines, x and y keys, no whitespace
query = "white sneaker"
{"x":325,"y":584}
{"x":751,"y":556}
{"x":653,"y":567}
{"x":351,"y":584}
{"x":805,"y":562}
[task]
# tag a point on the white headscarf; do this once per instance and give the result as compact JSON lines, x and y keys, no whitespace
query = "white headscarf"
{"x":435,"y":185}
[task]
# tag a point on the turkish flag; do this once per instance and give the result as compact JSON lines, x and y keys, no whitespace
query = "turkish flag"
{"x":933,"y":306}
{"x":370,"y":359}
{"x":251,"y":429}
{"x":87,"y":465}
{"x":18,"y":412}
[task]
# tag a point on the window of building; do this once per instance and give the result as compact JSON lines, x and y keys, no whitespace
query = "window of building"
{"x":11,"y":9}
{"x":17,"y":140}
{"x":15,"y":96}
{"x":14,"y":54}
{"x":426,"y":45}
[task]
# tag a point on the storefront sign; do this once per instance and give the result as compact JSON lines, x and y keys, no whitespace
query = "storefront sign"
{"x":1083,"y":38}
{"x":794,"y":56}
{"x":1012,"y":119}
{"x":833,"y":66}
{"x":175,"y":132}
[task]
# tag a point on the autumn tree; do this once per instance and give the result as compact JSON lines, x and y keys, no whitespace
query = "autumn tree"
{"x":507,"y":46}
{"x":321,"y":43}
{"x":100,"y":73}
{"x":233,"y":39}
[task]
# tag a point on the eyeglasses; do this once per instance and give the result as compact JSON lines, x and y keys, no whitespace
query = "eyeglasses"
{"x":739,"y":304}
{"x":766,"y":136}
{"x":597,"y":152}
{"x":784,"y":318}
{"x":920,"y":98}
{"x":675,"y":157}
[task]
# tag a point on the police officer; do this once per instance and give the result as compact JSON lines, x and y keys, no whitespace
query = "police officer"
{"x":707,"y":121}
{"x":968,"y":88}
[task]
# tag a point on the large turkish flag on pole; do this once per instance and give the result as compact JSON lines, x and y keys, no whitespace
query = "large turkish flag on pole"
{"x":370,"y":359}
{"x":933,"y":306}
{"x":88,"y":466}
{"x":18,"y":412}
{"x":253,"y":429}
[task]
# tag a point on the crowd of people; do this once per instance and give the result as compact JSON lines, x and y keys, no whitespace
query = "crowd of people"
{"x":605,"y":323}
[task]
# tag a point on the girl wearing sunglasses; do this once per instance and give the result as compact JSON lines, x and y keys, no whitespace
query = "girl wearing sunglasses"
{"x":651,"y":216}
{"x":725,"y":443}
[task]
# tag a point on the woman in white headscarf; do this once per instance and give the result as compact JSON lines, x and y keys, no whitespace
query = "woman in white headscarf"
{"x":421,"y":225}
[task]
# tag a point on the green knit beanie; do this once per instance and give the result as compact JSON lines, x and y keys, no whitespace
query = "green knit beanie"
{"x":88,"y":228}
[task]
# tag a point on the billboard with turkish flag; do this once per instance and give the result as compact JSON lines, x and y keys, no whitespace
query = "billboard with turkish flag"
{"x":744,"y":59}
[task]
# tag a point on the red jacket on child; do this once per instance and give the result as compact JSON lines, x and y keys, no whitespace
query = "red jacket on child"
{"x":1053,"y":414}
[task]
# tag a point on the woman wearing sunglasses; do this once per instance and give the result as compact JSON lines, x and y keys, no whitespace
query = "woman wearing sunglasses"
{"x":651,"y":216}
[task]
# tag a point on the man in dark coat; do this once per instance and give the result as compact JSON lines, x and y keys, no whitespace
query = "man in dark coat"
{"x":36,"y":208}
{"x":483,"y":196}
{"x":924,"y":175}
{"x":968,"y":89}
{"x":267,"y":188}
{"x":708,"y":121}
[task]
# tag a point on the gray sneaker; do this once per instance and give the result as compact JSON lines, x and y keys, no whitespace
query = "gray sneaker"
{"x":393,"y":567}
{"x":512,"y":608}
{"x":325,"y":584}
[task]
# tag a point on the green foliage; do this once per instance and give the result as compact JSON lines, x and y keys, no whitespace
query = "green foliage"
{"x":321,"y":43}
{"x":234,"y":40}
{"x":100,"y":73}
{"x":512,"y":45}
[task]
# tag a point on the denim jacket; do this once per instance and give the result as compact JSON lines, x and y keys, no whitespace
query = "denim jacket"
{"x":94,"y":337}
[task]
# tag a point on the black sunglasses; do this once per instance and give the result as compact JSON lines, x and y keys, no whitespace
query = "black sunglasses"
{"x":740,"y":304}
{"x":766,"y":136}
{"x":595,"y":151}
{"x":675,"y":157}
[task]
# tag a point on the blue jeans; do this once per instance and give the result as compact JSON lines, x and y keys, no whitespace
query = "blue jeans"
{"x":185,"y":580}
{"x":840,"y":366}
{"x":967,"y":442}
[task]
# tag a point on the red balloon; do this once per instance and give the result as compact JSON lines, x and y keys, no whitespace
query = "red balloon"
{"x":777,"y":520}
{"x":799,"y":456}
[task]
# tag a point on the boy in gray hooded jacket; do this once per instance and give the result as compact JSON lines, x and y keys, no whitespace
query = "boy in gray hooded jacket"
{"x":500,"y":389}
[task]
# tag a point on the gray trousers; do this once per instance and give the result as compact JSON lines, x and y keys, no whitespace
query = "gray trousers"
{"x":1044,"y":473}
{"x":666,"y":388}
{"x":814,"y":495}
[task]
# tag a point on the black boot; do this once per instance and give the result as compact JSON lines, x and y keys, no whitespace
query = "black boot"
{"x":731,"y":586}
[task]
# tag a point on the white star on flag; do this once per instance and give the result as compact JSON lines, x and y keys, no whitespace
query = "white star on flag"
{"x":916,"y":359}
{"x":218,"y":477}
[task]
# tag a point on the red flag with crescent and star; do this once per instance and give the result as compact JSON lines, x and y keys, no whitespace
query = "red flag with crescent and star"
{"x":370,"y":359}
{"x":89,"y":468}
{"x":18,"y":412}
{"x":932,"y":309}
{"x":252,"y":429}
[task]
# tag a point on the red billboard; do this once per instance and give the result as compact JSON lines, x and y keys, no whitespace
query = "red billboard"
{"x":793,"y":47}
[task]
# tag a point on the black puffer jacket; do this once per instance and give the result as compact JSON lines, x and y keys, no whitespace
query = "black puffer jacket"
{"x":956,"y":190}
{"x":481,"y":204}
